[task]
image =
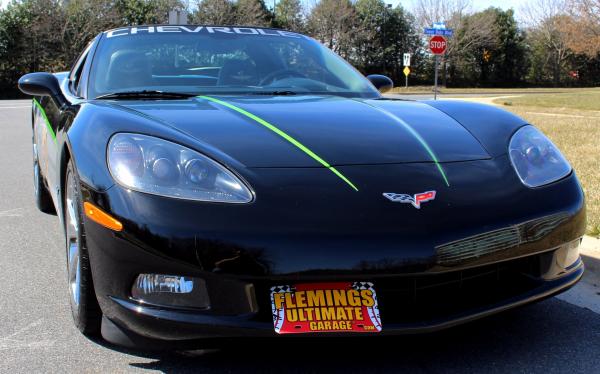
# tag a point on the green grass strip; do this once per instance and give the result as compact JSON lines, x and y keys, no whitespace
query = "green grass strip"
{"x":39,"y":106}
{"x":284,"y":135}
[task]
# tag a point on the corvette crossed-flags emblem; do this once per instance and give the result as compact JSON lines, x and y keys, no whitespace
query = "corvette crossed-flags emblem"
{"x":415,"y":199}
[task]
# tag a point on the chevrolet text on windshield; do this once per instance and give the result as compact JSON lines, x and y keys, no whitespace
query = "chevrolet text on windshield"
{"x":201,"y":29}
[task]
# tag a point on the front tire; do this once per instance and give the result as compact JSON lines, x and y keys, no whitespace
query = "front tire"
{"x":84,"y":305}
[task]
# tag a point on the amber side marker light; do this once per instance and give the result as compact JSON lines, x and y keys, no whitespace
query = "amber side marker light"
{"x":99,"y":216}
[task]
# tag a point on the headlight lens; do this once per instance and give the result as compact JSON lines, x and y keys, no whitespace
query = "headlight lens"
{"x":534,"y":157}
{"x":156,"y":166}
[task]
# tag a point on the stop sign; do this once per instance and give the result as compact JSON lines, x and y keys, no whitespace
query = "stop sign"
{"x":437,"y":44}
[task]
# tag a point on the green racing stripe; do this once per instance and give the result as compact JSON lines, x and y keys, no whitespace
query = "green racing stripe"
{"x":39,"y":106}
{"x":434,"y":158}
{"x":417,"y":136}
{"x":284,"y":135}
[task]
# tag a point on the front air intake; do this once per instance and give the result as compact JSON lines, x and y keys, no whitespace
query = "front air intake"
{"x":486,"y":243}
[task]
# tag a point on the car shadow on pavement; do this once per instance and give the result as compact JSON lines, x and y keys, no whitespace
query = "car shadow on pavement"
{"x":536,"y":338}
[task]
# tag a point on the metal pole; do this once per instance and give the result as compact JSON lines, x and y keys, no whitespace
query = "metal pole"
{"x":435,"y":84}
{"x":383,"y":35}
{"x":406,"y":85}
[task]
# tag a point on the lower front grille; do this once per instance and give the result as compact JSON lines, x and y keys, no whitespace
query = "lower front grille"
{"x":432,"y":297}
{"x":424,"y":298}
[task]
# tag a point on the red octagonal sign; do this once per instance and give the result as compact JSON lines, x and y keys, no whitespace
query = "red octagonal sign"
{"x":437,"y":44}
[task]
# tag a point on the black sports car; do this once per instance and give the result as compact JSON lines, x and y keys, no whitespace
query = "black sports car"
{"x":225,"y":182}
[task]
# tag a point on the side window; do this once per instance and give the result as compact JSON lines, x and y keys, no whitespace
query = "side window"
{"x":75,"y":75}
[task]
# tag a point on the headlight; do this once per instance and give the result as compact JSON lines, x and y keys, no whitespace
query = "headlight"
{"x":534,"y":157}
{"x":156,"y":166}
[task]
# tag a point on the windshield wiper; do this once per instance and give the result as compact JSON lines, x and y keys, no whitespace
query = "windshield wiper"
{"x":146,"y":94}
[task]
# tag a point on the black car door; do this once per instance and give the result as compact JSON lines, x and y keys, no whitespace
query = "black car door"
{"x":49,"y":120}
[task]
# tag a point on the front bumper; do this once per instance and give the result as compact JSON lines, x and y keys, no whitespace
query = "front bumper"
{"x":461,"y":257}
{"x":458,"y":299}
{"x":409,"y":303}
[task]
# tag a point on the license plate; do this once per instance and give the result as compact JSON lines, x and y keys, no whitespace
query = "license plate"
{"x":325,"y":307}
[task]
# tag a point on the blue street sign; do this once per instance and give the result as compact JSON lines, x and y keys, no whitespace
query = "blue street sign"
{"x":443,"y":32}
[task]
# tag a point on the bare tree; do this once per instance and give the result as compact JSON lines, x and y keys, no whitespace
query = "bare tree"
{"x":582,"y":29}
{"x":545,"y":20}
{"x":470,"y":31}
{"x":289,"y":15}
{"x":251,"y":13}
{"x":214,"y":12}
{"x":145,"y":12}
{"x":456,"y":14}
{"x":46,"y":17}
{"x":536,"y":12}
{"x":333,"y":22}
{"x":84,"y":20}
{"x":429,"y":11}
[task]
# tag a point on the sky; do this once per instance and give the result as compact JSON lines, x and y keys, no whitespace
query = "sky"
{"x":504,"y":4}
{"x":477,"y":4}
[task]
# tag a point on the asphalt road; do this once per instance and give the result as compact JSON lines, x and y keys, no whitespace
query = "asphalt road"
{"x":37,"y":335}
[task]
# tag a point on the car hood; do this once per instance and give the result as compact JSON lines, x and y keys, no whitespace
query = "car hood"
{"x":295,"y":131}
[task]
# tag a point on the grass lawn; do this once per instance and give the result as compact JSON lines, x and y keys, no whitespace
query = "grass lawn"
{"x":499,"y":91}
{"x":572,"y":121}
{"x":583,"y":99}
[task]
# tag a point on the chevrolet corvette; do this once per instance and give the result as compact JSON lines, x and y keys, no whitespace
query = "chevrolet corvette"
{"x":230,"y":182}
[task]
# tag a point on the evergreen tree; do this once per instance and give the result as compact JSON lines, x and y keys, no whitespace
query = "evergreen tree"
{"x":507,"y":62}
{"x":382,"y":38}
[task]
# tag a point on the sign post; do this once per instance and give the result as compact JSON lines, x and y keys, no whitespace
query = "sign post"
{"x":406,"y":58}
{"x":435,"y":79}
{"x":406,"y":71}
{"x":437,"y":45}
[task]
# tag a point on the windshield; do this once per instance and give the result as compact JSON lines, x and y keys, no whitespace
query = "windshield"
{"x":220,"y":60}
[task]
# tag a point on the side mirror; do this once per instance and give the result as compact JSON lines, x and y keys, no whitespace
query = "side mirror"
{"x":42,"y":84}
{"x":381,"y":82}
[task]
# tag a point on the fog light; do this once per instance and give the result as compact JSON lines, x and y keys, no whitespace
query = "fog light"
{"x":171,"y":290}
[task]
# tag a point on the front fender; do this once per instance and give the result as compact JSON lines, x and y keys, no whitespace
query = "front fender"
{"x":491,"y":125}
{"x":86,"y":143}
